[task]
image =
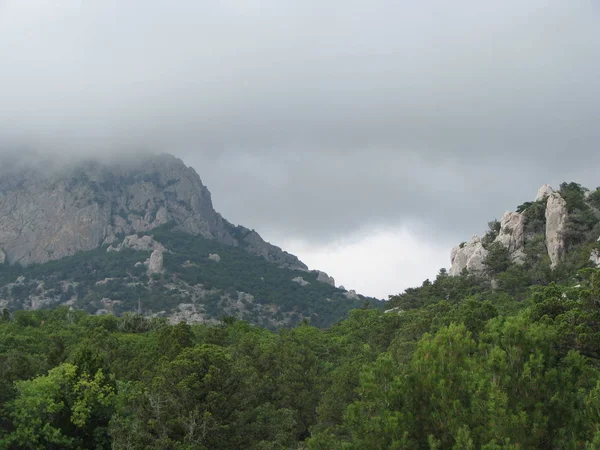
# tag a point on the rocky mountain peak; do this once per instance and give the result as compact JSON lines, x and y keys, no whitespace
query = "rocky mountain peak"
{"x":51,"y":211}
{"x":511,"y":234}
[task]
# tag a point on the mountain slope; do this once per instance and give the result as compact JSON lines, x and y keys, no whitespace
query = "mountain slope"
{"x":143,"y":236}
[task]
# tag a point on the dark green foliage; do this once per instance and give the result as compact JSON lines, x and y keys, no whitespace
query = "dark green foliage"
{"x":444,"y":287}
{"x":88,"y":278}
{"x":594,"y":199}
{"x":574,"y":196}
{"x":582,"y":218}
{"x":491,"y":234}
{"x":462,"y":367}
{"x":497,"y":259}
{"x":240,"y":271}
{"x":535,"y":216}
{"x":507,"y":361}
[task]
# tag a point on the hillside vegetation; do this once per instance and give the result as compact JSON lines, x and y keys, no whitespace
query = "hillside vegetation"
{"x":504,"y":358}
{"x":191,"y":286}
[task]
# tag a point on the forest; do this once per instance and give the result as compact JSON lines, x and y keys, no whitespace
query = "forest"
{"x":458,"y":367}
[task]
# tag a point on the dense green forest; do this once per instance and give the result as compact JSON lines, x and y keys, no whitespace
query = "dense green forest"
{"x":507,"y":359}
{"x":475,"y":369}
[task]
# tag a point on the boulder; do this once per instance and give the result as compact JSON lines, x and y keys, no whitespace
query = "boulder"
{"x":556,"y":222}
{"x":470,"y":255}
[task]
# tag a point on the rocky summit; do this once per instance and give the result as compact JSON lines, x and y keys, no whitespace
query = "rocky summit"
{"x":141,"y":234}
{"x":50,"y":214}
{"x":545,"y":233}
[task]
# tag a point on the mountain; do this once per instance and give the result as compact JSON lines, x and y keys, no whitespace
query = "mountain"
{"x":141,"y":234}
{"x":48,"y":213}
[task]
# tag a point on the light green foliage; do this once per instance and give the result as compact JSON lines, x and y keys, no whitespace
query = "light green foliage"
{"x":55,"y":409}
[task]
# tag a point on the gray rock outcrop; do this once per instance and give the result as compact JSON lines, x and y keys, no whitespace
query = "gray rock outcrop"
{"x":301,"y":281}
{"x":214,"y":257}
{"x":595,"y":258}
{"x":189,"y":313}
{"x":544,"y":192}
{"x":556,"y":220}
{"x":155,"y":262}
{"x":351,"y":295}
{"x":470,"y":255}
{"x":52,"y":210}
{"x":2,"y":257}
{"x":324,"y":278}
{"x":512,"y":235}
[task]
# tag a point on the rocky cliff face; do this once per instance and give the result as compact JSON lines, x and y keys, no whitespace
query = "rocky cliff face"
{"x":556,"y":220}
{"x":544,"y":192}
{"x":48,"y":214}
{"x":512,"y":235}
{"x":470,"y":255}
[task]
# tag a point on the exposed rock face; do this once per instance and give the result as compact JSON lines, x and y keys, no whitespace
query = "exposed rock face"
{"x":470,"y":256}
{"x":214,"y":257}
{"x":155,"y":263}
{"x":595,"y":258}
{"x":512,"y":235}
{"x":351,"y":294}
{"x":324,"y":278}
{"x":556,"y":220}
{"x":188,"y":312}
{"x":144,"y":243}
{"x":2,"y":257}
{"x":47,"y":213}
{"x":253,"y":243}
{"x":512,"y":229}
{"x":544,"y":192}
{"x":301,"y":281}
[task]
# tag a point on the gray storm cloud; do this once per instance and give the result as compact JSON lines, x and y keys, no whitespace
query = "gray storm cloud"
{"x":317,"y":117}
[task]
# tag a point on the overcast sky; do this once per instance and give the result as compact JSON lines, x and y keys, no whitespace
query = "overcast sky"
{"x":367,"y":137}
